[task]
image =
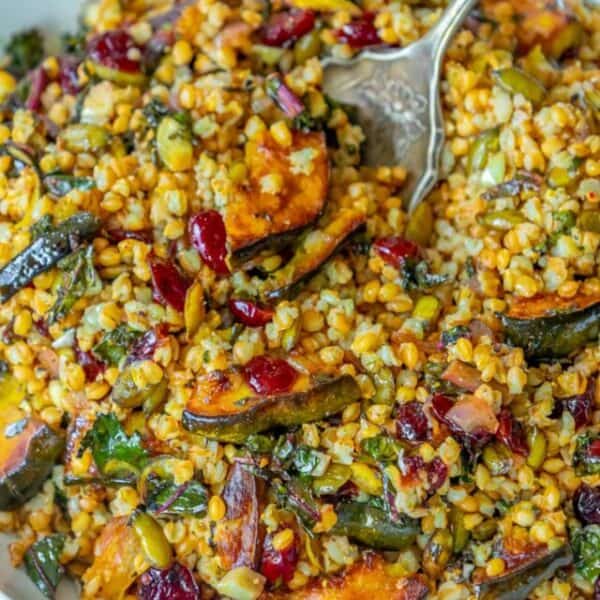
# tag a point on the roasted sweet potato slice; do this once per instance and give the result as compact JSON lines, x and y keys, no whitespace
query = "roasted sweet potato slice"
{"x":365,"y":580}
{"x":118,"y":561}
{"x":239,"y":536}
{"x":260,"y":216}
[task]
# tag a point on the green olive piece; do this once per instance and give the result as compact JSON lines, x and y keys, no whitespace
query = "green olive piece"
{"x":333,"y":479}
{"x":537,"y":448}
{"x":152,"y":538}
{"x":517,"y":81}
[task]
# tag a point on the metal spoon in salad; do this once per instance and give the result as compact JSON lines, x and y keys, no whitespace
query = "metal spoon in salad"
{"x":397,"y":95}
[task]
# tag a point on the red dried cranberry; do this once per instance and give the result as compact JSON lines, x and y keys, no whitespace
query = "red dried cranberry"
{"x":586,"y":504}
{"x":411,"y":465}
{"x":581,"y":406}
{"x":92,"y":366}
{"x":143,"y":348}
{"x":511,"y":432}
{"x":208,"y":235}
{"x":69,"y":80}
{"x":249,"y":313}
{"x":117,"y":50}
{"x":395,"y":250}
{"x":411,"y":423}
{"x":142,"y":235}
{"x":39,"y":81}
{"x":267,"y":375}
{"x":41,"y":326}
{"x":278,"y":565}
{"x":437,"y":472}
{"x":173,"y":583}
{"x":440,"y":405}
{"x":593,"y":450}
{"x":169,"y":286}
{"x":284,"y":28}
{"x":359,"y":33}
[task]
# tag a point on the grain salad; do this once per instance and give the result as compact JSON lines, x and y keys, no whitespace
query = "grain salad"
{"x":233,"y":366}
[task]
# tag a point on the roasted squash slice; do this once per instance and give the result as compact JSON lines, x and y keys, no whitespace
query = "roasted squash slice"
{"x":364,"y":580}
{"x":239,"y":536}
{"x":311,"y":253}
{"x":286,"y":191}
{"x":224,"y":406}
{"x":118,"y":561}
{"x":28,"y":451}
{"x":549,"y":326}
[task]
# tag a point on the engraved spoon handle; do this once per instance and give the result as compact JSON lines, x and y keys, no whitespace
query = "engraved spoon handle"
{"x":452,"y":18}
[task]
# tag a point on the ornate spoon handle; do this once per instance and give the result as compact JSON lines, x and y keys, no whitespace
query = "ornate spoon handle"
{"x":443,"y":31}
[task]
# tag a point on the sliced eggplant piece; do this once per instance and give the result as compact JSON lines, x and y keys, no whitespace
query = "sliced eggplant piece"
{"x":519,"y":583}
{"x":224,"y":406}
{"x":46,"y":251}
{"x":549,"y":326}
{"x":372,"y":527}
{"x":286,"y":191}
{"x":28,"y":451}
{"x":239,"y":536}
{"x":312,"y":252}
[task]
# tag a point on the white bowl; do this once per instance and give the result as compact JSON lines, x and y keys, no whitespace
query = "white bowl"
{"x":53,"y":17}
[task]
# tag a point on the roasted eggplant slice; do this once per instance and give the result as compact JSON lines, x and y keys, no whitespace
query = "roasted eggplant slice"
{"x":224,"y":406}
{"x":519,"y":583}
{"x":550,"y":326}
{"x":46,"y":251}
{"x":313,"y":250}
{"x":368,"y":578}
{"x":286,"y":191}
{"x":373,"y":527}
{"x":239,"y":536}
{"x":28,"y":451}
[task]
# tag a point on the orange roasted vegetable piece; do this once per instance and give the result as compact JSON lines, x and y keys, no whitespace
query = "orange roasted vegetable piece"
{"x":269,"y":212}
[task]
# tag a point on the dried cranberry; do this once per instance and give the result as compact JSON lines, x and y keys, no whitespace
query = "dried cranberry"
{"x":208,"y":235}
{"x":586,"y":504}
{"x":91,"y":365}
{"x":143,"y":348}
{"x":437,"y":472}
{"x":249,"y":313}
{"x":173,"y":583}
{"x":511,"y":432}
{"x":278,"y":565}
{"x":359,"y":33}
{"x":593,"y":450}
{"x":440,"y":405}
{"x":117,"y":50}
{"x":39,"y":81}
{"x":581,"y":405}
{"x":395,"y":250}
{"x":141,"y":235}
{"x":69,"y":80}
{"x":411,"y":423}
{"x":284,"y":28}
{"x":267,"y":375}
{"x":41,"y":326}
{"x":168,"y":284}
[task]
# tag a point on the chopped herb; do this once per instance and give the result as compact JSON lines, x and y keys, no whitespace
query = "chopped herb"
{"x":308,"y":461}
{"x":115,"y":344}
{"x":42,"y":563}
{"x":417,"y":276}
{"x":259,"y":444}
{"x":380,"y":448}
{"x":79,"y":279}
{"x":451,"y":336}
{"x":60,"y":185}
{"x":154,"y":111}
{"x":586,"y":550}
{"x":586,"y":458}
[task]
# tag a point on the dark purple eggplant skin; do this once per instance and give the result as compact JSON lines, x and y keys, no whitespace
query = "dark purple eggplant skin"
{"x":44,"y":252}
{"x":519,"y":583}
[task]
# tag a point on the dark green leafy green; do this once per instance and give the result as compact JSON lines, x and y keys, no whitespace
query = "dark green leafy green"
{"x":79,"y":279}
{"x":165,"y":497}
{"x":25,"y":51}
{"x":154,"y":111}
{"x":42,"y":563}
{"x":259,"y":443}
{"x":586,"y":550}
{"x":108,"y":442}
{"x":306,"y":460}
{"x":115,"y":344}
{"x":296,"y":496}
{"x":585,"y":461}
{"x":451,"y":336}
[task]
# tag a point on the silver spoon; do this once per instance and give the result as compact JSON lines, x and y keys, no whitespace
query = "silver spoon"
{"x":397,"y":96}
